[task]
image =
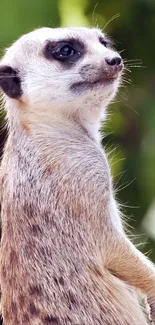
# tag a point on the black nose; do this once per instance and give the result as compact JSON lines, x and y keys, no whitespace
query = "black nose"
{"x":113,"y":61}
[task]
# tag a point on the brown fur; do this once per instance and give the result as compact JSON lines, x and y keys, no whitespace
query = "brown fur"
{"x":26,"y":127}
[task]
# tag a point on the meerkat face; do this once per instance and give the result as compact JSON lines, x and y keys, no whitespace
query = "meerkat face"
{"x":61,"y":68}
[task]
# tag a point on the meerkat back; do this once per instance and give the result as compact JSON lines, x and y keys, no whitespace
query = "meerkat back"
{"x":64,"y":256}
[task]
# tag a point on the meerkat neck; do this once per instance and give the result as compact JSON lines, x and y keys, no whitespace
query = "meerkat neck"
{"x":23,"y":117}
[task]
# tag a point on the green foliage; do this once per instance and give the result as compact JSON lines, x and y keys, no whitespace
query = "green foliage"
{"x":131,"y":124}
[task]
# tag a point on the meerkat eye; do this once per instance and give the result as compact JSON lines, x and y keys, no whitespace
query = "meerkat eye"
{"x":105,"y":42}
{"x":64,"y":52}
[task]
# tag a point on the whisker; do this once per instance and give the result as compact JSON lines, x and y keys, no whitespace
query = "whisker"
{"x":111,"y":19}
{"x":122,"y":51}
{"x":128,"y":81}
{"x":125,"y":68}
{"x":121,"y":175}
{"x":117,"y":161}
{"x":135,"y":66}
{"x":94,"y":13}
{"x":126,"y":184}
{"x":132,"y":109}
{"x":133,"y":60}
{"x":129,"y":206}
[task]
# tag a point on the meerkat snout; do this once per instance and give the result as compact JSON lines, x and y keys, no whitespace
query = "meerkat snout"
{"x":109,"y":68}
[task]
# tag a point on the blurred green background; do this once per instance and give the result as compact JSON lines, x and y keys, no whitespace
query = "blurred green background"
{"x":131,"y":123}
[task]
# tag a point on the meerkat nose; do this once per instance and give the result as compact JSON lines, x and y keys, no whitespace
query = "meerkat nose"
{"x":115,"y":61}
{"x":114,"y":65}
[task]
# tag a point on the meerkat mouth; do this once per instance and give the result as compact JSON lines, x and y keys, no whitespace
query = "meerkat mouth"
{"x":84,"y":85}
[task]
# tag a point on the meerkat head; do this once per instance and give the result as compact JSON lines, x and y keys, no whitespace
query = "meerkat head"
{"x":68,"y":70}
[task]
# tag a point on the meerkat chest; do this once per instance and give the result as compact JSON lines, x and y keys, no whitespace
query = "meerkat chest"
{"x":76,"y":176}
{"x":65,"y":174}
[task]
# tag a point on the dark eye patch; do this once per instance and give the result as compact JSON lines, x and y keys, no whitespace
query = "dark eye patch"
{"x":67,"y":51}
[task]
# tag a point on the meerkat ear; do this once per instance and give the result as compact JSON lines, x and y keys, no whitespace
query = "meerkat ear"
{"x":10,"y":82}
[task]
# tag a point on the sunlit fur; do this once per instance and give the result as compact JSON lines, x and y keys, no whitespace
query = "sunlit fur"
{"x":65,"y":259}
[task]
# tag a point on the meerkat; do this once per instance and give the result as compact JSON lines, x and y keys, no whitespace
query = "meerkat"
{"x":65,"y":258}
